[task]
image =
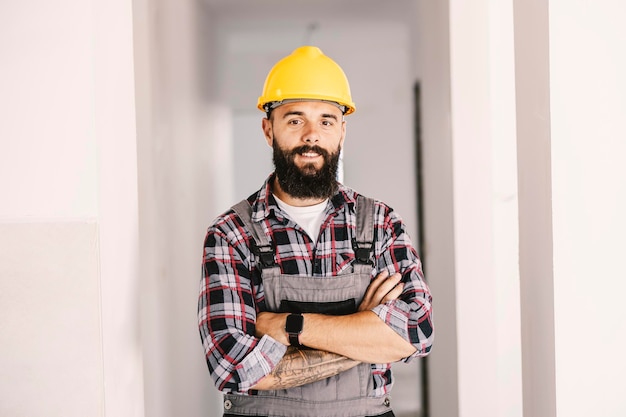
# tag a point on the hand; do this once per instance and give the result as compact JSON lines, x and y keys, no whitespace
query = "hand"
{"x":273,"y":325}
{"x":382,"y":289}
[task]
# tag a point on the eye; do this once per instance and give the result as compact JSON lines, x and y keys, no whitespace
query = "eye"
{"x":294,"y":122}
{"x":327,"y":123}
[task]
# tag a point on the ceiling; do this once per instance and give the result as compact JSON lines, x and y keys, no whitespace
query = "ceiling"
{"x":394,"y":9}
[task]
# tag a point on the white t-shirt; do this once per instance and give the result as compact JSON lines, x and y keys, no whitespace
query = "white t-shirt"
{"x":309,"y":218}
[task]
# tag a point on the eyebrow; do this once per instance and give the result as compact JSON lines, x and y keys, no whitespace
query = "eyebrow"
{"x":293,"y":113}
{"x":300,"y":113}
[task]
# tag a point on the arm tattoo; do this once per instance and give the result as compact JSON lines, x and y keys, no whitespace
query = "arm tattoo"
{"x":303,"y":366}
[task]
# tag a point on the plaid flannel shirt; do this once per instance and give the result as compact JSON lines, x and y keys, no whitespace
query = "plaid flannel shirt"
{"x":231,"y":292}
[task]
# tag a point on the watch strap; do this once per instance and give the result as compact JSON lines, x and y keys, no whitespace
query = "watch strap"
{"x":293,"y":327}
{"x":294,"y":339}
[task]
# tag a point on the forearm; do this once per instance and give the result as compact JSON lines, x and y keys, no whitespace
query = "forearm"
{"x":362,"y":336}
{"x":303,"y":366}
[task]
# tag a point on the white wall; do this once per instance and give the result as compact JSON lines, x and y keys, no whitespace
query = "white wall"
{"x":556,"y":335}
{"x":68,"y":301}
{"x":183,"y":157}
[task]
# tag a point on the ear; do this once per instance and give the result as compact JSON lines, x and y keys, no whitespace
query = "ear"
{"x":343,"y":132}
{"x":267,"y":131}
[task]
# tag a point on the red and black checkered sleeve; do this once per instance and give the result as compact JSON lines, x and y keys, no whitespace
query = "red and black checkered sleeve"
{"x":410,"y":315}
{"x":237,"y":360}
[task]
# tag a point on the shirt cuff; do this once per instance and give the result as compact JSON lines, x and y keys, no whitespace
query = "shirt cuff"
{"x":260,"y":362}
{"x":395,"y":314}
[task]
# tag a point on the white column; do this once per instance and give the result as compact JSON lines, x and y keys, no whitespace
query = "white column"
{"x":505,"y":220}
{"x":588,"y":144}
{"x":471,"y":207}
{"x":114,"y":122}
{"x":570,"y":61}
{"x":437,"y":202}
{"x":569,"y":88}
{"x":535,"y":213}
{"x":485,"y":196}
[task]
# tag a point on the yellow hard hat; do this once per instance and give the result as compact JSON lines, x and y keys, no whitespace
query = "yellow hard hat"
{"x":306,"y":74}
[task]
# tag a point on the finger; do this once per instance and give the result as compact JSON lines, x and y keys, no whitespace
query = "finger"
{"x":386,"y":286}
{"x":374,"y":285}
{"x":394,"y":293}
{"x":380,"y":278}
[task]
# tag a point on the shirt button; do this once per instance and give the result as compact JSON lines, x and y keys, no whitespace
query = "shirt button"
{"x":387,"y":402}
{"x":228,"y":405}
{"x":317,"y":266}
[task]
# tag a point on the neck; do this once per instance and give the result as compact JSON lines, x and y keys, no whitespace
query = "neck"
{"x":291,"y":200}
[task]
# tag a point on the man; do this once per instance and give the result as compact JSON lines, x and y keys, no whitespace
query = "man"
{"x":309,"y":291}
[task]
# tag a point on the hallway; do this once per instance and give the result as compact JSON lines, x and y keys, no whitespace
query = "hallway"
{"x":120,"y":146}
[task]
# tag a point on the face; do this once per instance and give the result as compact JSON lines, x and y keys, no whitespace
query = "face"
{"x":306,"y":138}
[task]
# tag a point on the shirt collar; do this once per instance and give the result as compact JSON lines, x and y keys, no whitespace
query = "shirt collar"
{"x":264,"y":205}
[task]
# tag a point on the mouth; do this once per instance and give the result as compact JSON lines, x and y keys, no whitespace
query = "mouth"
{"x":309,"y":154}
{"x":309,"y":151}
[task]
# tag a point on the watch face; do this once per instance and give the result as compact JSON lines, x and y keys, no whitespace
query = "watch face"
{"x":294,"y":323}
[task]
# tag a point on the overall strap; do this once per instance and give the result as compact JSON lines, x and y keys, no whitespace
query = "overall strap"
{"x":260,"y":244}
{"x":363,"y":242}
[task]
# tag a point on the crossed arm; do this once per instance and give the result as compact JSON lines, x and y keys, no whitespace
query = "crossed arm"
{"x":337,"y":343}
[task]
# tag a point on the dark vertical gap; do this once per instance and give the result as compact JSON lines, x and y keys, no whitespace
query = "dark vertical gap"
{"x":417,"y":116}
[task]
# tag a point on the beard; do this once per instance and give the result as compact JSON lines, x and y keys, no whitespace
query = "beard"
{"x":308,"y":181}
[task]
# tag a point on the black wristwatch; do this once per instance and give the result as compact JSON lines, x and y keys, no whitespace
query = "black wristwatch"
{"x":293,"y":327}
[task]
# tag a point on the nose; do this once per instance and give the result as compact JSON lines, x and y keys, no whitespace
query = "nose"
{"x":311,"y":134}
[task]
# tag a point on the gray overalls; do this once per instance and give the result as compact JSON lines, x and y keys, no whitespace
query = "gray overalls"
{"x":343,"y":395}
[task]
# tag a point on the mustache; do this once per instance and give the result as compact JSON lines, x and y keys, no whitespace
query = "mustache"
{"x":309,"y":148}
